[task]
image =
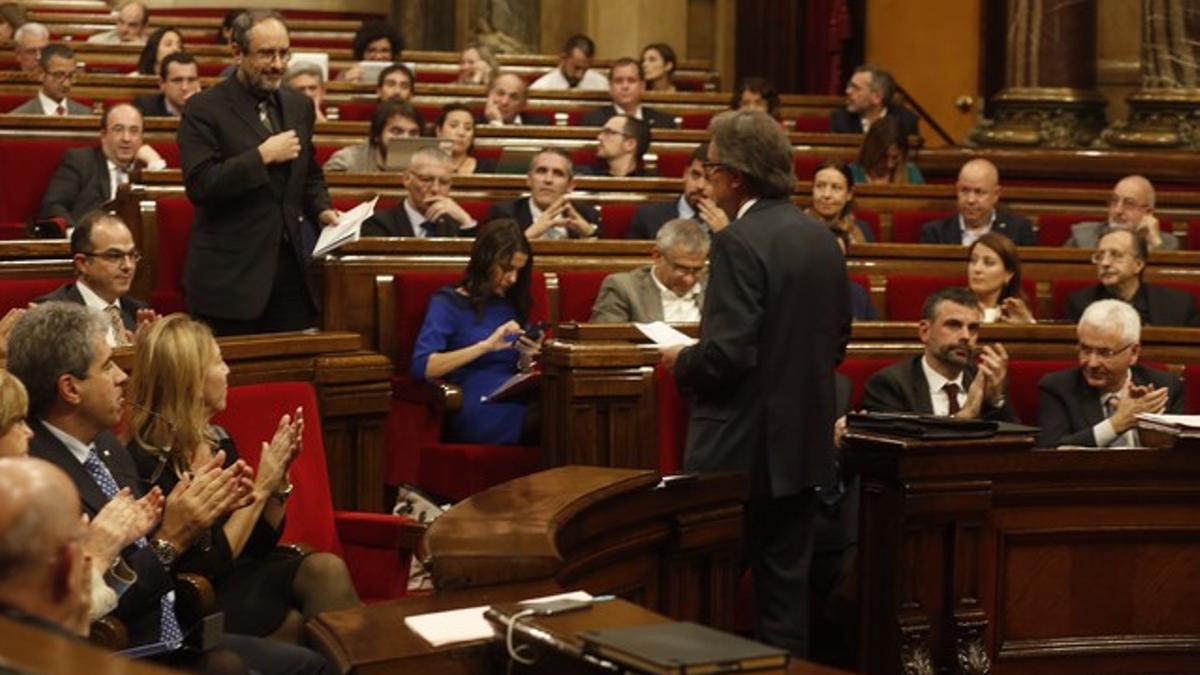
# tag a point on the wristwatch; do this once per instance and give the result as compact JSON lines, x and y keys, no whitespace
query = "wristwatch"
{"x":164,"y":551}
{"x":282,"y":494}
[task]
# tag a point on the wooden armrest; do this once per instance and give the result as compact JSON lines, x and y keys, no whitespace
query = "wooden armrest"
{"x":295,"y":549}
{"x":109,"y":632}
{"x":194,"y":598}
{"x":446,"y":397}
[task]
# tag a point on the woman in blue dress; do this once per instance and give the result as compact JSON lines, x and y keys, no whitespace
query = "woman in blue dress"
{"x":473,"y":335}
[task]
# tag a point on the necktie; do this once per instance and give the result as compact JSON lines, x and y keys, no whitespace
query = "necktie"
{"x":951,"y":390}
{"x":169,"y":630}
{"x":117,"y":324}
{"x":264,"y":115}
{"x":60,"y":110}
{"x":426,"y":229}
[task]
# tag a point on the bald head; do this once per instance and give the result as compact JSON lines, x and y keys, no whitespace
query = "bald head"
{"x":506,"y":97}
{"x":1132,"y":200}
{"x":39,"y":514}
{"x":978,"y":191}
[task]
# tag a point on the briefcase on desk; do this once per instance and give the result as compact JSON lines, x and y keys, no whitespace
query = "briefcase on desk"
{"x":682,"y":648}
{"x":926,"y":427}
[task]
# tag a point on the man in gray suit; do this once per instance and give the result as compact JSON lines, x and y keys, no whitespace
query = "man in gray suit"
{"x":58,"y":74}
{"x":670,"y":289}
{"x":1131,"y":207}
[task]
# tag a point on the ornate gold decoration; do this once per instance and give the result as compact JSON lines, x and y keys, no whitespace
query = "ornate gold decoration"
{"x":915,"y":660}
{"x":971,"y":655}
{"x":1042,"y":117}
{"x":1158,"y":118}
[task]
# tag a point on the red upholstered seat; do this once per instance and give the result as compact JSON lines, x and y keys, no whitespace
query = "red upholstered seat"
{"x":906,"y":225}
{"x":323,"y":151}
{"x":859,"y":371}
{"x":616,"y":217}
{"x":1061,"y":289}
{"x":577,"y":291}
{"x":370,"y":543}
{"x":20,"y":292}
{"x":871,"y":218}
{"x":1193,"y":235}
{"x":672,"y":163}
{"x":1191,"y":388}
{"x":13,"y":230}
{"x":26,"y":165}
{"x":806,"y":165}
{"x":817,"y":124}
{"x":1023,"y":378}
{"x":174,"y":215}
{"x":1054,"y":229}
{"x":906,"y":293}
{"x":356,"y":111}
{"x":695,"y":120}
{"x":672,"y":411}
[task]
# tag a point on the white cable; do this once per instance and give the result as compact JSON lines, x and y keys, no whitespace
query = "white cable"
{"x":515,"y":651}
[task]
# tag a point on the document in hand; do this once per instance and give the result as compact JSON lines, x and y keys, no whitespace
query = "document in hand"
{"x":347,"y":228}
{"x":662,"y":334}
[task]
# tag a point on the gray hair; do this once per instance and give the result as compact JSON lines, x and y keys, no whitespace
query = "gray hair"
{"x":684,"y":233}
{"x":753,"y":143}
{"x":304,"y":68}
{"x":882,"y":81}
{"x":52,"y":340}
{"x":31,"y":29}
{"x":246,"y":21}
{"x":1111,"y":314}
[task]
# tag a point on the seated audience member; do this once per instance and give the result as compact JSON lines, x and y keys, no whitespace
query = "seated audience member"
{"x":457,"y":125}
{"x":12,"y":17}
{"x":870,"y":97}
{"x":162,"y":43}
{"x":132,"y":20}
{"x":105,"y":261}
{"x":428,"y":210}
{"x":756,"y":93}
{"x":994,"y":276}
{"x":395,"y":83}
{"x":178,"y":79}
{"x":30,"y":40}
{"x":620,"y":146}
{"x":670,"y":289}
{"x":1097,"y":404}
{"x":374,"y":41}
{"x":14,"y":406}
{"x":59,"y":353}
{"x":573,"y":71}
{"x":307,"y":78}
{"x":224,"y":34}
{"x":548,"y":212}
{"x":833,"y":201}
{"x":1131,"y":207}
{"x":658,"y":65}
{"x":473,"y":336}
{"x":945,"y":380}
{"x":477,"y":65}
{"x":88,"y":177}
{"x":978,"y":191}
{"x":58,"y":72}
{"x":1120,"y":259}
{"x":883,"y":158}
{"x":694,"y":204}
{"x":625,"y":87}
{"x":392,"y":120}
{"x":178,"y":384}
{"x":505,"y":104}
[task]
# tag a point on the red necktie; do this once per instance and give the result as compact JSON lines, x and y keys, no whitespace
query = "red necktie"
{"x":60,"y":110}
{"x":951,"y":390}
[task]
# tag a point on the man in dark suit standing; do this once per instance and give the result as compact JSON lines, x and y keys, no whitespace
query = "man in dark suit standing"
{"x":1120,"y":260}
{"x":179,"y":79}
{"x":626,"y":85}
{"x":250,"y":170}
{"x":1097,"y":404}
{"x":548,"y":212}
{"x":428,"y":210}
{"x":694,"y":204}
{"x":978,"y":191}
{"x":870,"y":95}
{"x":944,"y":380}
{"x":762,"y":374}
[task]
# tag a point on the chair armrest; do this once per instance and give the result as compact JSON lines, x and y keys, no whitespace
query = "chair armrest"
{"x":295,"y":549}
{"x":378,"y":530}
{"x":109,"y":632}
{"x":195,"y":598}
{"x":439,"y":394}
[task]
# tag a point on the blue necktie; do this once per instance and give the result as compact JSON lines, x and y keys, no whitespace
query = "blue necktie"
{"x":169,"y":624}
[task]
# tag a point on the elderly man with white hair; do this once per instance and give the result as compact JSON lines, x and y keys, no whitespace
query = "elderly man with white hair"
{"x":1131,"y":207}
{"x":669,"y":289}
{"x":29,"y":41}
{"x":1097,"y":404}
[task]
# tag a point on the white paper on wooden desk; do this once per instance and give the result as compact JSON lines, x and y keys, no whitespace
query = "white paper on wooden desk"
{"x":347,"y":228}
{"x":1181,"y":422}
{"x":467,"y":624}
{"x":663,"y":334}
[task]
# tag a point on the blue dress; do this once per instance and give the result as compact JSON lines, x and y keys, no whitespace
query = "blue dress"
{"x":450,"y":324}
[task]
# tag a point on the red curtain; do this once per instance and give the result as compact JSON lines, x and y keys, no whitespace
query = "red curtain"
{"x":827,"y":30}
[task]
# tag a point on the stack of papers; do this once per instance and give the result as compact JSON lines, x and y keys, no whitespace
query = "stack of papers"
{"x":1175,"y":424}
{"x":347,"y":229}
{"x":468,"y":624}
{"x":664,"y":335}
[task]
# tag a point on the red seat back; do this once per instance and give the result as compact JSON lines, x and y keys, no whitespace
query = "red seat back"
{"x":871,"y":218}
{"x":906,"y":293}
{"x":174,"y":216}
{"x":1054,"y":229}
{"x":672,"y":163}
{"x":577,"y":291}
{"x":356,"y":111}
{"x":26,"y":165}
{"x":906,"y":225}
{"x":20,"y":292}
{"x":672,"y":411}
{"x":817,"y":124}
{"x":1191,"y":388}
{"x":1060,"y":289}
{"x":859,"y":371}
{"x":616,"y":217}
{"x":1023,"y":379}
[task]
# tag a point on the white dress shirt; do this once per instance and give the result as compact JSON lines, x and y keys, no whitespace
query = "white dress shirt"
{"x":1106,"y":436}
{"x":50,"y":106}
{"x":679,"y":308}
{"x":937,"y":392}
{"x":93,"y":301}
{"x":591,"y":81}
{"x":969,"y":235}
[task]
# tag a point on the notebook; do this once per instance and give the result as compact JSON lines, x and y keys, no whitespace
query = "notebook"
{"x":682,"y":647}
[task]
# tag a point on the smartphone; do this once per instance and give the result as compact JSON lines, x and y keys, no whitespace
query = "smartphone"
{"x":552,"y":607}
{"x":534,"y":332}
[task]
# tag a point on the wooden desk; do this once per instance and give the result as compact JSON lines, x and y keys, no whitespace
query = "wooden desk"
{"x":26,"y":649}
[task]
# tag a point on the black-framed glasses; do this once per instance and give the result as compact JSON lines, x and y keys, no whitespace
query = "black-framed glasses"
{"x":610,"y":132}
{"x":712,"y":167}
{"x":117,"y":257}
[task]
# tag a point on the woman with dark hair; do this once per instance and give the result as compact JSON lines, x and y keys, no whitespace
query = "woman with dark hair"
{"x":457,"y":125}
{"x":474,"y":335}
{"x":756,"y":93}
{"x":833,"y":201}
{"x":883,"y":157}
{"x":162,"y":43}
{"x":392,"y":120}
{"x":994,"y":276}
{"x":658,"y":66}
{"x":374,"y":41}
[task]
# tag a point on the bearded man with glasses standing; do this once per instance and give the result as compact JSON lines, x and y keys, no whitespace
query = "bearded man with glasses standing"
{"x":249,"y":167}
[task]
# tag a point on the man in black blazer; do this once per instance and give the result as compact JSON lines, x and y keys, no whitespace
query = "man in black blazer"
{"x":427,"y":210}
{"x":178,"y":79}
{"x":978,"y":191}
{"x":88,"y":177}
{"x":1120,"y":259}
{"x":620,"y":146}
{"x":694,"y":204}
{"x":761,"y":377}
{"x":505,"y":104}
{"x":944,"y":380}
{"x":626,"y":85}
{"x":870,"y":95}
{"x":548,"y":212}
{"x":1097,"y":404}
{"x":250,"y":170}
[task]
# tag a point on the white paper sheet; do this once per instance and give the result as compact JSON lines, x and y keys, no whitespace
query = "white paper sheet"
{"x":467,"y":624}
{"x":663,"y":334}
{"x":1182,"y":422}
{"x":347,"y":228}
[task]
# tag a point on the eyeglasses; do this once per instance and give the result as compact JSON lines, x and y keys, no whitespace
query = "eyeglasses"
{"x":117,"y":257}
{"x":1102,"y":353}
{"x":427,"y":180}
{"x":268,"y":55}
{"x":613,"y":132}
{"x":1126,"y":203}
{"x":684,"y":269}
{"x":712,"y":167}
{"x":64,"y":75}
{"x":1116,"y":256}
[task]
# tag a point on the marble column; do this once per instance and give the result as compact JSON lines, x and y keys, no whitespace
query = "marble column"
{"x":1049,"y":98}
{"x":1165,"y":112}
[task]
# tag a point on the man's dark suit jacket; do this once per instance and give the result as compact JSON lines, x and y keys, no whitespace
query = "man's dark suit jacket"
{"x":649,"y":218}
{"x":394,"y":222}
{"x":244,"y":208}
{"x":1009,"y":224}
{"x":1069,"y":408}
{"x":139,"y":606}
{"x":762,"y":374}
{"x":599,"y":116}
{"x":80,"y":184}
{"x":902,"y":388}
{"x":842,"y":121}
{"x":70,"y":293}
{"x":528,"y":119}
{"x":153,"y":105}
{"x":1157,"y":305}
{"x":518,"y":210}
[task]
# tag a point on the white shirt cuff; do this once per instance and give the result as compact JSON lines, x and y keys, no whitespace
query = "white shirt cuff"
{"x":157,"y":165}
{"x":1104,"y":434}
